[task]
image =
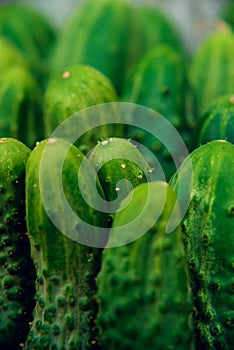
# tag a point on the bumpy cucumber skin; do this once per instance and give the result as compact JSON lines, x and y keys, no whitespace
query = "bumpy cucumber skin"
{"x":32,"y":33}
{"x":159,"y":82}
{"x":17,"y":273}
{"x":115,"y":159}
{"x":65,"y":312}
{"x":20,"y":108}
{"x":208,"y":230}
{"x":143,"y":290}
{"x":211,"y":70}
{"x":216,"y":122}
{"x":72,"y":90}
{"x":106,"y":39}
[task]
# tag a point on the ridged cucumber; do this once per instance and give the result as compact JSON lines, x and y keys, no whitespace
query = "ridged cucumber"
{"x":158,"y":28}
{"x":208,"y":230}
{"x":31,"y":32}
{"x":211,"y":70}
{"x":10,"y":56}
{"x":65,"y":312}
{"x":20,"y":107}
{"x":72,"y":90}
{"x":120,"y":166}
{"x":104,"y":35}
{"x":216,"y":122}
{"x":143,"y":290}
{"x":17,"y":273}
{"x":158,"y":81}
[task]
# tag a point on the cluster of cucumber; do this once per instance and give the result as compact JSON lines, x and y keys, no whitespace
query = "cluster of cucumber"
{"x":98,"y":251}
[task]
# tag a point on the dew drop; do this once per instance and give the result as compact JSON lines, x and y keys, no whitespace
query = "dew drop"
{"x":104,"y":143}
{"x":66,"y":74}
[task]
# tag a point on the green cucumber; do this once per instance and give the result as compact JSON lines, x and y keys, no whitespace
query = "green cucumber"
{"x":72,"y":90}
{"x":158,"y":28}
{"x":158,"y":81}
{"x":143,"y":290}
{"x":212,"y":71}
{"x":31,"y":32}
{"x":10,"y":56}
{"x":20,"y":107}
{"x":208,"y":228}
{"x":117,"y":159}
{"x":104,"y":35}
{"x":17,"y":274}
{"x":65,"y":312}
{"x":216,"y":122}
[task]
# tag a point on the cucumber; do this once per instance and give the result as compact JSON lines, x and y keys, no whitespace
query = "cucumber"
{"x":211,"y":70}
{"x":216,"y":122}
{"x":32,"y":33}
{"x":20,"y":107}
{"x":158,"y":28}
{"x":66,"y":264}
{"x":120,"y":166}
{"x":158,"y":81}
{"x":17,"y":273}
{"x":108,"y":38}
{"x":72,"y":90}
{"x":143,"y":290}
{"x":10,"y":56}
{"x":208,"y":228}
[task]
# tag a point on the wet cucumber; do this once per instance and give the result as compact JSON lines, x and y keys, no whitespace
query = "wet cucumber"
{"x":159,"y":82}
{"x":208,"y":230}
{"x":119,"y":166}
{"x":17,"y":274}
{"x":143,"y":290}
{"x":65,"y":312}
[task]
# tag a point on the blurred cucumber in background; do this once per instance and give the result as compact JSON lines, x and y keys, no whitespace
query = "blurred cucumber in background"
{"x":194,"y":18}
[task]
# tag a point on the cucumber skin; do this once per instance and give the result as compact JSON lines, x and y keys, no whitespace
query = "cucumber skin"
{"x":65,"y":312}
{"x":216,"y":122}
{"x":115,"y":159}
{"x":211,"y":65}
{"x":32,"y":33}
{"x":73,"y":89}
{"x":10,"y":56}
{"x":158,"y":81}
{"x":20,"y":108}
{"x":157,"y":28}
{"x":17,"y":273}
{"x":208,"y":228}
{"x":143,"y":286}
{"x":106,"y":39}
